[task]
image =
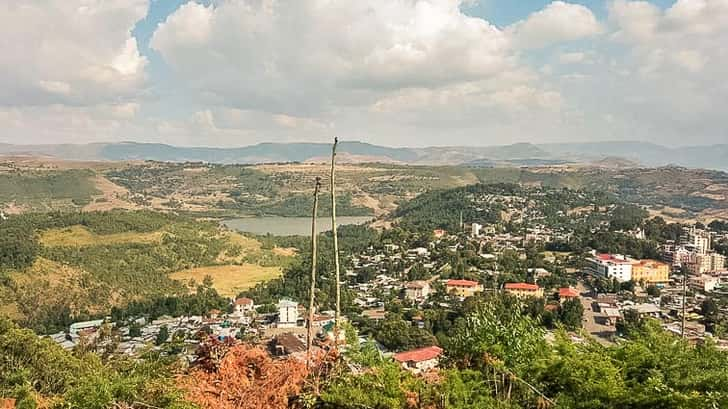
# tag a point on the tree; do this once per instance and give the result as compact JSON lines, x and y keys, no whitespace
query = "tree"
{"x":571,"y":313}
{"x":244,"y":377}
{"x":162,"y":335}
{"x":653,"y":291}
{"x":709,"y":309}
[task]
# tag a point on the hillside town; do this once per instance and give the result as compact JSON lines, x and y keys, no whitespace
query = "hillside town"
{"x":416,"y":280}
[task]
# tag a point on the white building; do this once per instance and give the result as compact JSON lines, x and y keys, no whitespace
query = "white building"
{"x":699,"y":239}
{"x":287,"y":314}
{"x":242,"y":305}
{"x":704,"y":282}
{"x":475,"y":229}
{"x":611,"y":266}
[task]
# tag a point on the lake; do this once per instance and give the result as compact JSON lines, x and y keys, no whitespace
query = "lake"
{"x":289,"y":226}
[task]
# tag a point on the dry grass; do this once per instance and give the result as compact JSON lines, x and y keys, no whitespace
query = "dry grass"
{"x":112,"y":197}
{"x":230,"y":280}
{"x":80,"y":236}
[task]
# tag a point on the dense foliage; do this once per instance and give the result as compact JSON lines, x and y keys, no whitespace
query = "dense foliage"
{"x":36,"y":371}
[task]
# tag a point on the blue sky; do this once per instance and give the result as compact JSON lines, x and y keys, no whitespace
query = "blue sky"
{"x":402,"y":73}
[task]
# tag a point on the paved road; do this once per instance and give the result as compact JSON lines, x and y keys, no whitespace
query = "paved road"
{"x":593,"y":321}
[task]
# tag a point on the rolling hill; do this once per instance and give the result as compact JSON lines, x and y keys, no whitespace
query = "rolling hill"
{"x":519,"y":154}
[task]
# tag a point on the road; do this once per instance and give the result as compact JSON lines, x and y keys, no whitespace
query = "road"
{"x":593,"y":321}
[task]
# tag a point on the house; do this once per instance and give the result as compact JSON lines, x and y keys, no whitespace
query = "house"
{"x":375,"y":314}
{"x":287,"y":344}
{"x":287,"y":314}
{"x":77,"y":327}
{"x":242,"y":305}
{"x":650,"y":272}
{"x":419,"y":360}
{"x":612,"y":315}
{"x":439,"y":233}
{"x":463,"y":288}
{"x":611,"y":266}
{"x":418,"y":252}
{"x":417,"y":290}
{"x":644,"y":310}
{"x":567,"y":293}
{"x":704,"y":282}
{"x":524,"y":290}
{"x":214,"y":313}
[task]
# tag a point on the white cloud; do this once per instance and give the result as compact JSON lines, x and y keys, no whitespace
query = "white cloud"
{"x":558,"y":22}
{"x":314,"y":65}
{"x":302,"y":57}
{"x":65,"y":51}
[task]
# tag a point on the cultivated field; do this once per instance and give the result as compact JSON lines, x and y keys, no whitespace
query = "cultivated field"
{"x":231,"y":279}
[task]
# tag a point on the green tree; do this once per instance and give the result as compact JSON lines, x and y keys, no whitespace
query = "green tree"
{"x":162,"y":335}
{"x":571,"y":313}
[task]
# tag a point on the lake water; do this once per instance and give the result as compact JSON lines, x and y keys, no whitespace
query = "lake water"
{"x":289,"y":226}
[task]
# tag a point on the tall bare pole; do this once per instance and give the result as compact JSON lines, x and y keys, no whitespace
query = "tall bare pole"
{"x":684,"y":299}
{"x":337,"y":317}
{"x":309,"y":338}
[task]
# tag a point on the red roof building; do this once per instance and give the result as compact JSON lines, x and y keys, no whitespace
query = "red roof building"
{"x":243,"y":301}
{"x":463,"y":288}
{"x":419,"y":360}
{"x":568,"y":292}
{"x":524,"y":289}
{"x":461,"y":283}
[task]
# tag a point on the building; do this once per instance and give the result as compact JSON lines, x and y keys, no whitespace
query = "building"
{"x":650,"y":272}
{"x":287,"y":344}
{"x":417,"y":290}
{"x":439,"y":233}
{"x":698,"y":239}
{"x":567,"y":293}
{"x":242,"y":305}
{"x":704,"y":282}
{"x":676,"y":255}
{"x":287,"y":314}
{"x":419,"y":360}
{"x":475,"y":229}
{"x":610,"y":266}
{"x":704,"y":263}
{"x":77,"y":327}
{"x":524,"y":290}
{"x":463,"y":288}
{"x":644,"y":310}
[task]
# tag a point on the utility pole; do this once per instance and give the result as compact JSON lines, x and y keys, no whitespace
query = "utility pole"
{"x":337,"y":317}
{"x":684,"y":297}
{"x":314,"y":234}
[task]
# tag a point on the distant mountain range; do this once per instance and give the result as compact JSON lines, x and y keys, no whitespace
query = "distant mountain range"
{"x":623,"y":153}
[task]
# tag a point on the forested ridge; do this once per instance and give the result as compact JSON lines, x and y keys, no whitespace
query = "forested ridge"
{"x":53,"y":285}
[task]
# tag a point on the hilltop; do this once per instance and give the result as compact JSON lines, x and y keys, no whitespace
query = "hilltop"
{"x":367,"y":189}
{"x":642,"y":153}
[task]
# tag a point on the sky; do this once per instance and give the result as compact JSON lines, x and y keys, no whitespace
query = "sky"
{"x":390,"y":72}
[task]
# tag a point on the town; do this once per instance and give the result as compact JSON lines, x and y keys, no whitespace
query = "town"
{"x":404,"y":292}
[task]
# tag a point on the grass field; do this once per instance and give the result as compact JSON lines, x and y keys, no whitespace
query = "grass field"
{"x":80,"y":236}
{"x":231,"y":279}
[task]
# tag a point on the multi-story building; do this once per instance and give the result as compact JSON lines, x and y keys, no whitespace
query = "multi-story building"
{"x":463,"y":288}
{"x":524,"y":290}
{"x":704,"y":263}
{"x":698,"y":239}
{"x":610,"y":266}
{"x":650,"y":272}
{"x":676,"y":255}
{"x":287,"y":314}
